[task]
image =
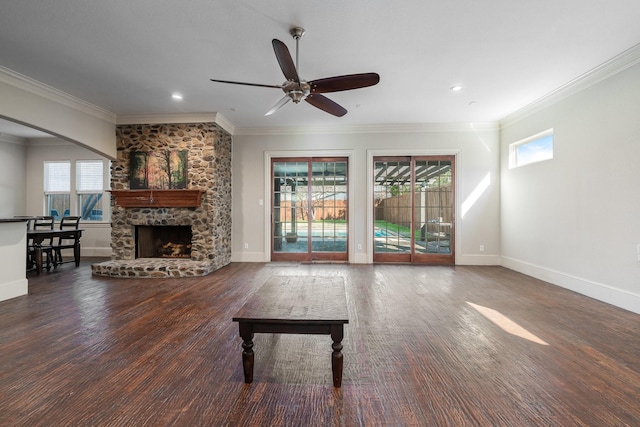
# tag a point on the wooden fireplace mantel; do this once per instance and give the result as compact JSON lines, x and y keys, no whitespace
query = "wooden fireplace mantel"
{"x":157,"y":198}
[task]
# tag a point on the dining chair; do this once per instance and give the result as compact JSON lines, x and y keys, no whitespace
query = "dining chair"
{"x":67,"y":222}
{"x":42,"y":223}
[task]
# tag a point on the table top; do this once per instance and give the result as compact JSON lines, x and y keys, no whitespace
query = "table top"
{"x":297,"y":299}
{"x":55,"y":231}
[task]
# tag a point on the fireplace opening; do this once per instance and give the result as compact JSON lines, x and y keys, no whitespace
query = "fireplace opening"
{"x":163,"y":241}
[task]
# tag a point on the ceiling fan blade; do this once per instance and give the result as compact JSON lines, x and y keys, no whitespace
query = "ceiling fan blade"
{"x":278,"y":105}
{"x":325,"y":104}
{"x":284,"y":59}
{"x":246,"y":84}
{"x":347,"y":82}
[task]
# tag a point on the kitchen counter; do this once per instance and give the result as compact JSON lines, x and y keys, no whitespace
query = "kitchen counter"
{"x":13,"y":252}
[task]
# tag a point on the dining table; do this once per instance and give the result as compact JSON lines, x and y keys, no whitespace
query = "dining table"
{"x":37,"y":237}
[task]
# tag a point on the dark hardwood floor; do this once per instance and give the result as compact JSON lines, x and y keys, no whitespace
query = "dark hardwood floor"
{"x":425,"y":346}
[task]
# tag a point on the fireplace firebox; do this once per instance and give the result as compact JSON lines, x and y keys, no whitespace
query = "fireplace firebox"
{"x":163,"y":241}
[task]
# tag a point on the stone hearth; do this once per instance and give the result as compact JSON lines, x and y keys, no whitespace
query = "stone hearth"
{"x":153,"y":267}
{"x":209,"y":170}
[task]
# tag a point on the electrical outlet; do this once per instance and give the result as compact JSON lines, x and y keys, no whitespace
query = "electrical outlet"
{"x":359,"y":246}
{"x":246,"y":246}
{"x":481,"y":248}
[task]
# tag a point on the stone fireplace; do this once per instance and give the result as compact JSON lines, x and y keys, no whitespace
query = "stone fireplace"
{"x":208,"y":220}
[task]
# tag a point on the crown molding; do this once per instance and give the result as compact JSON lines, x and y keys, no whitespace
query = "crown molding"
{"x":375,"y":128}
{"x":154,"y":119}
{"x":225,"y":124}
{"x":615,"y":65}
{"x":35,"y":87}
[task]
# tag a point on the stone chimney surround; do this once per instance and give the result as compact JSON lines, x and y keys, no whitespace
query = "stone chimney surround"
{"x":209,"y":175}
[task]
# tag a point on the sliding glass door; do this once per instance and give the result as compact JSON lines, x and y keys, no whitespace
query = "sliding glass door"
{"x":414,"y":209}
{"x":309,"y":209}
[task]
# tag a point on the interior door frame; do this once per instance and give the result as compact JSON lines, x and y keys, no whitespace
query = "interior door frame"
{"x":269,"y":155}
{"x":371,"y":154}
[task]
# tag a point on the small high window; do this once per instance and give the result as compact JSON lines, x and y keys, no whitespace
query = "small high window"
{"x":536,"y":148}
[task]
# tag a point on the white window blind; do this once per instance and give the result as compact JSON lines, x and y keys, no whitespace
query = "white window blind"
{"x":89,"y":176}
{"x":57,"y":177}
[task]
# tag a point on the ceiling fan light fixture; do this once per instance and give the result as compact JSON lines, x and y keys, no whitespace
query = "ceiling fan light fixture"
{"x":296,"y":95}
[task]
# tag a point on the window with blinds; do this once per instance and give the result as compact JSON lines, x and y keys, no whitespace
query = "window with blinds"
{"x":86,"y":195}
{"x":57,"y":177}
{"x":57,"y":188}
{"x":89,"y":189}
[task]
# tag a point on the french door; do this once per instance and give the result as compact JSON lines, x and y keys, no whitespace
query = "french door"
{"x":414,"y":217}
{"x":309,"y":205}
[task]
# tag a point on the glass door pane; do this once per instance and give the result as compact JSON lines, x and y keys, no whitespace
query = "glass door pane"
{"x":309,"y":215}
{"x":414,"y":209}
{"x":392,"y":210}
{"x":329,"y":209}
{"x":290,"y":224}
{"x":433,"y":199}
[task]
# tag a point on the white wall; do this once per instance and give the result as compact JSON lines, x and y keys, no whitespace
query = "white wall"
{"x":96,"y":237}
{"x":575,"y":220}
{"x":477,"y":152}
{"x":13,"y":174}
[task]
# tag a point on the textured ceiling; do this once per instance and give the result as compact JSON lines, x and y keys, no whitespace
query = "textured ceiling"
{"x":129,"y":56}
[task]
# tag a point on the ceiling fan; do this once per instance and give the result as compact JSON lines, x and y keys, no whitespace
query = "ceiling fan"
{"x":297,"y":89}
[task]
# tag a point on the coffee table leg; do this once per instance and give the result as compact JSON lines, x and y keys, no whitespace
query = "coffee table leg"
{"x":246,"y":333}
{"x":337,"y":333}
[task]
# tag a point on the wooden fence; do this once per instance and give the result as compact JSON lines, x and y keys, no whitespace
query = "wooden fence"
{"x":435,"y":206}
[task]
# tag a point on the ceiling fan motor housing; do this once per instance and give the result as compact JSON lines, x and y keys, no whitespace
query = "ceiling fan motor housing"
{"x":296,"y":91}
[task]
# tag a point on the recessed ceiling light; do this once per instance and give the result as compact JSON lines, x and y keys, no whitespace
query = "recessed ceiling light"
{"x":456,"y":88}
{"x":176,"y":96}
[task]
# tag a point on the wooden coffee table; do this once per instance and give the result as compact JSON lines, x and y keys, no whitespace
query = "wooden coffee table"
{"x":295,"y":305}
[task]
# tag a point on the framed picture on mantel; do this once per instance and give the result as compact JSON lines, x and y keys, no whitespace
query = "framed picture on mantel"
{"x":158,"y":169}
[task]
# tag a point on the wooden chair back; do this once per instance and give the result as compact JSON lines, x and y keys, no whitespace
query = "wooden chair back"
{"x":70,"y":222}
{"x":43,"y":223}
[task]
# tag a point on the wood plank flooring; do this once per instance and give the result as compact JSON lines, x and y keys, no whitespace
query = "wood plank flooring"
{"x":425,"y":346}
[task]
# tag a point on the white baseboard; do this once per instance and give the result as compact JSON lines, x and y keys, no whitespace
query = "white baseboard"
{"x":360,"y":258}
{"x":605,"y":293}
{"x":14,"y":289}
{"x":478,"y":260}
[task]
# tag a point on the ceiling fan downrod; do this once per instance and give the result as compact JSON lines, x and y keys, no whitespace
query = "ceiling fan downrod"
{"x":297,"y":33}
